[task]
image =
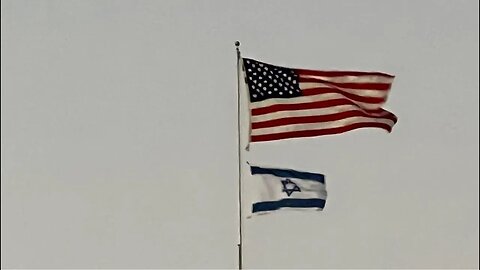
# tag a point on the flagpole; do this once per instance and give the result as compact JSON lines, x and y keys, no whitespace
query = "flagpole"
{"x":240,"y":258}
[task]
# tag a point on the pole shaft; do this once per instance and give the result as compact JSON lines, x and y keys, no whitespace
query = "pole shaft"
{"x":240,"y":258}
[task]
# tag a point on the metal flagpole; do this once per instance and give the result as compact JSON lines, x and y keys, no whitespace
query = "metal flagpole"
{"x":240,"y":259}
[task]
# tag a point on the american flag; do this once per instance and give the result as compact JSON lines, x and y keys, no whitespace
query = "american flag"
{"x":291,"y":103}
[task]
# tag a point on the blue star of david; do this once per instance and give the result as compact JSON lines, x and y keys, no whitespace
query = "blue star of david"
{"x":289,"y":187}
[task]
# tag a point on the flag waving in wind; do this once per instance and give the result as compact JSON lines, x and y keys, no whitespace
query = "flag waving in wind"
{"x":291,"y":103}
{"x":285,"y":188}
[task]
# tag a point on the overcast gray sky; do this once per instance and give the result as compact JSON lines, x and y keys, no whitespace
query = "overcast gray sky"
{"x":119,"y":135}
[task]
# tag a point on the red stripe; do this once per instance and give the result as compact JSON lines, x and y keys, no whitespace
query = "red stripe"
{"x":312,"y":133}
{"x":306,"y":106}
{"x":356,"y":86}
{"x":327,"y":90}
{"x":318,"y":119}
{"x":340,"y":73}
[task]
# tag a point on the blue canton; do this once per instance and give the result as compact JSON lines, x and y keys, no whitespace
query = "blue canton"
{"x":268,"y":81}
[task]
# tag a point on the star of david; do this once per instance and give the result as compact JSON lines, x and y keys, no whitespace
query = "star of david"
{"x":289,"y":187}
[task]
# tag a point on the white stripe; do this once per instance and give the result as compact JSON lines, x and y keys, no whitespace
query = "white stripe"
{"x":273,"y":189}
{"x":307,"y":99}
{"x":358,"y":92}
{"x":311,"y":112}
{"x":320,"y":126}
{"x":352,"y":79}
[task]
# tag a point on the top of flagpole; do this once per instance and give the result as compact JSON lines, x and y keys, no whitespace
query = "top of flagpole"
{"x":237,"y":46}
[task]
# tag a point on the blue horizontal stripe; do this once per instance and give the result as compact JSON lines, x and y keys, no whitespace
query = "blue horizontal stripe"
{"x":288,"y":173}
{"x":293,"y":203}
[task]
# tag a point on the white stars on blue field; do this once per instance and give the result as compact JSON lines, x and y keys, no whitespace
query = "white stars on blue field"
{"x":267,"y":81}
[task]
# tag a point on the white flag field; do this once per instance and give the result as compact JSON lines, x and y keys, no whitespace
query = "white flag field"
{"x":286,"y":189}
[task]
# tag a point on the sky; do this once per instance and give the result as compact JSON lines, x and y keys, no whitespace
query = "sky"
{"x":119,"y":135}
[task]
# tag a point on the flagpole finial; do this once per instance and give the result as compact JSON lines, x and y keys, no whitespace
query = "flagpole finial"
{"x":237,"y":47}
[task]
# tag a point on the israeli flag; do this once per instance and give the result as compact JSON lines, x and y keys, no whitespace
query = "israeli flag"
{"x":288,"y":189}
